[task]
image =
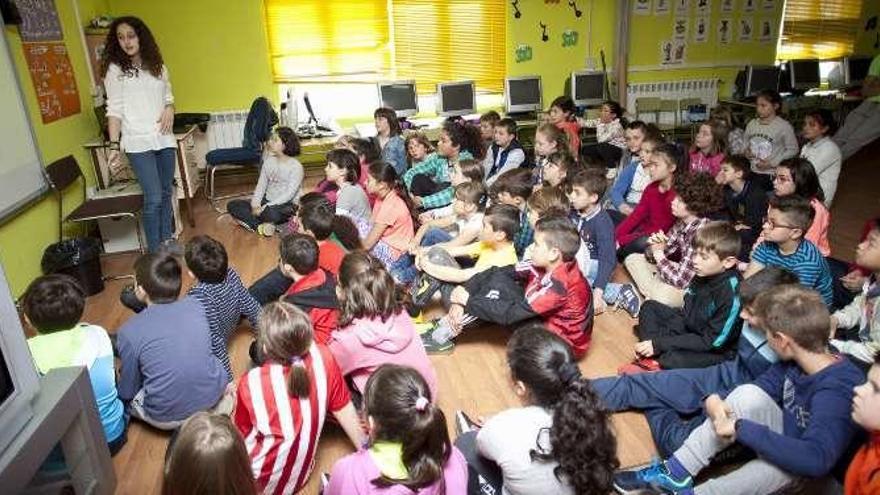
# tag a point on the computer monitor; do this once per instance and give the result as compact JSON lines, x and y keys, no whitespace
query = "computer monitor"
{"x":803,"y":74}
{"x":760,"y":77}
{"x":856,"y":69}
{"x":456,"y":99}
{"x":400,"y":96}
{"x":588,"y":87}
{"x":523,"y":94}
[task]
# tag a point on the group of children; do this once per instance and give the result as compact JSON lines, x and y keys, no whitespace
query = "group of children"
{"x":737,"y":350}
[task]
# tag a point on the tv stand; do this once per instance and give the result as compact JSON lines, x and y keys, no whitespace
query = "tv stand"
{"x":65,"y":413}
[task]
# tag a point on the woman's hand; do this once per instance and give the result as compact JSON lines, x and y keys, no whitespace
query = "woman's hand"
{"x":166,"y":120}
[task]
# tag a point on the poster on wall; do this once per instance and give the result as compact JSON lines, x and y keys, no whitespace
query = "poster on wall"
{"x":701,"y":30}
{"x":765,"y":33}
{"x":746,"y":28}
{"x":749,"y":5}
{"x":642,"y":7}
{"x":725,"y":30}
{"x":680,"y":28}
{"x":39,"y":21}
{"x":679,"y":49}
{"x":665,"y":52}
{"x":53,"y":78}
{"x":768,"y":4}
{"x":704,"y":7}
{"x":661,"y":7}
{"x":728,"y":5}
{"x":682,"y":7}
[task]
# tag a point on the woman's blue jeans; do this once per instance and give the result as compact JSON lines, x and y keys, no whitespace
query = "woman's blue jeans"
{"x":155,"y":173}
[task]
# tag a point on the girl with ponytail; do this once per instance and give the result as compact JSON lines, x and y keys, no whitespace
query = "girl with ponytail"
{"x":409,"y":449}
{"x":281,"y":405}
{"x":560,"y":442}
{"x":392,"y":232}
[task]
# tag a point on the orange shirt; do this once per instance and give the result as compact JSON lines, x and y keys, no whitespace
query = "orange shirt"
{"x":863,"y":474}
{"x":392,"y":212}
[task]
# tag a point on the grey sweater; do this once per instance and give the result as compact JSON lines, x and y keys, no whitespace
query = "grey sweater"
{"x":774,"y":141}
{"x":280,"y":181}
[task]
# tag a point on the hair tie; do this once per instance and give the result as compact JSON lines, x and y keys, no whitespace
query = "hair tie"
{"x":421,"y":403}
{"x":569,"y":373}
{"x":296,"y":361}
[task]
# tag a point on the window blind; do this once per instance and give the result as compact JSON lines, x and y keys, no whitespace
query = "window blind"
{"x":819,"y":29}
{"x":370,"y":40}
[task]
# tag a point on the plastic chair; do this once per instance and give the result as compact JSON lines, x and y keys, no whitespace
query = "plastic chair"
{"x":258,"y":127}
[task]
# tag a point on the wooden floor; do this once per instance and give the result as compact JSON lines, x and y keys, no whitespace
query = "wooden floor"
{"x":475,"y":377}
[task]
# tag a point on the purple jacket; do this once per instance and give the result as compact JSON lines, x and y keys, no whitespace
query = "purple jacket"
{"x":352,"y":475}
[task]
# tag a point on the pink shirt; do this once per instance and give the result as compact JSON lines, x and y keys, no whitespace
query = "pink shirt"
{"x":392,"y":212}
{"x":354,"y":474}
{"x":709,"y":164}
{"x":818,"y":231}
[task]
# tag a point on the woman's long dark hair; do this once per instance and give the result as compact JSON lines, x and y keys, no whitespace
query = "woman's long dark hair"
{"x":582,"y":441}
{"x":400,"y":403}
{"x":803,"y":174}
{"x":151,"y":57}
{"x":465,"y":136}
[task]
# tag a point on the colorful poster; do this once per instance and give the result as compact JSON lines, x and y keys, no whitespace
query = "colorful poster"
{"x":728,"y":5}
{"x":701,"y":30}
{"x":746,"y":28}
{"x":661,"y":7}
{"x":765,"y":35}
{"x":39,"y":21}
{"x":682,"y":7}
{"x":53,"y":78}
{"x":680,"y":28}
{"x":725,"y":30}
{"x":704,"y":6}
{"x":642,"y":7}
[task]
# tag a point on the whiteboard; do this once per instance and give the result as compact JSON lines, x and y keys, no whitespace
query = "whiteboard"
{"x":21,"y":170}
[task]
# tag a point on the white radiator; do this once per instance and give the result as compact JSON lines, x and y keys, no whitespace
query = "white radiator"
{"x":226,"y":129}
{"x":704,"y":89}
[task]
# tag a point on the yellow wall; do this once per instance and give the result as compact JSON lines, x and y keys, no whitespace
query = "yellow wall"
{"x":216,"y":51}
{"x":550,"y":60}
{"x":23,"y":238}
{"x":866,"y":39}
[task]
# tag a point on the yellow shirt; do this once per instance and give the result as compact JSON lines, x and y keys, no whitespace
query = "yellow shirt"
{"x":488,"y":257}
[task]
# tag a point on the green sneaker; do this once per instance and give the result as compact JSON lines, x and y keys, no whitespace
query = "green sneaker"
{"x":434,"y":347}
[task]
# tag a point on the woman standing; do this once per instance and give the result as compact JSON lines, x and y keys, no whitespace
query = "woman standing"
{"x":140,"y":109}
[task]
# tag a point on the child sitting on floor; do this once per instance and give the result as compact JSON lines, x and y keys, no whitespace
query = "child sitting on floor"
{"x":798,"y":177}
{"x":462,"y":171}
{"x":488,"y":121}
{"x":633,"y":177}
{"x":557,"y":169}
{"x":392,"y":231}
{"x":861,"y":477}
{"x":344,"y":171}
{"x":313,"y":289}
{"x":562,"y":115}
{"x":704,"y":332}
{"x":821,"y":151}
{"x":374,"y":329}
{"x":549,"y":140}
{"x":418,"y":149}
{"x":53,"y":306}
{"x":220,"y":292}
{"x":281,"y":405}
{"x":278,"y":187}
{"x":784,"y":245}
{"x":408,"y":450}
{"x":505,"y":153}
{"x":167,"y":369}
{"x":460,"y":228}
{"x":708,"y":151}
{"x":667,"y":267}
{"x":795,"y":417}
{"x":609,"y":134}
{"x":745,"y":202}
{"x":514,"y":188}
{"x":560,"y":440}
{"x":555,"y":290}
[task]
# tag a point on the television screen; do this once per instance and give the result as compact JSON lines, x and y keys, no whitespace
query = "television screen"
{"x":588,"y":87}
{"x":857,"y":69}
{"x":523,"y":94}
{"x":804,"y":74}
{"x":400,"y":96}
{"x":762,"y":77}
{"x":456,"y":98}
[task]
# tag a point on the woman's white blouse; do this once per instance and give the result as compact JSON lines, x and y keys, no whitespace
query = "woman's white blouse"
{"x":138,"y":101}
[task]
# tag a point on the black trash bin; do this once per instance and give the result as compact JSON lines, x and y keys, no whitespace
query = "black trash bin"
{"x":79,"y":258}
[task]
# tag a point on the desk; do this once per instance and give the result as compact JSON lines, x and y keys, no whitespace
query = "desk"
{"x":191,"y":149}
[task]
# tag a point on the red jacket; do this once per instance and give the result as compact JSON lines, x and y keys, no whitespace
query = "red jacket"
{"x":863,"y":475}
{"x":562,"y":299}
{"x":652,"y":214}
{"x":316,"y":295}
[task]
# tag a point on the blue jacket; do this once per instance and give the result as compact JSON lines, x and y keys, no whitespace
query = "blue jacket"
{"x":624,"y":180}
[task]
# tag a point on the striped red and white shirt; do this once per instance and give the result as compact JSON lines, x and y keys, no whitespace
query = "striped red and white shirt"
{"x":281,"y":432}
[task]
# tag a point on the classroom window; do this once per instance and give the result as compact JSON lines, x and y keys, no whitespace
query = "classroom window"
{"x":332,"y":41}
{"x":819,"y":29}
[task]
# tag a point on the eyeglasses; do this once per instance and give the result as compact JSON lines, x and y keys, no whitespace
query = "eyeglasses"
{"x":766,"y":221}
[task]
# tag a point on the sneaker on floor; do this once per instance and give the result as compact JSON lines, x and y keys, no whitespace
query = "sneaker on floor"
{"x":434,"y":347}
{"x":629,"y":300}
{"x":245,"y":225}
{"x":652,"y":479}
{"x":641,"y":365}
{"x":425,"y":327}
{"x":130,"y":300}
{"x":464,"y":424}
{"x":266,"y":229}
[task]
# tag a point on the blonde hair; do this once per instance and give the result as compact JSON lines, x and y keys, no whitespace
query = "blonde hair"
{"x":208,"y":457}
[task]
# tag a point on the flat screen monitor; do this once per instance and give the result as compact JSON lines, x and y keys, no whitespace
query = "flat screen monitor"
{"x":400,"y":96}
{"x":762,"y":77}
{"x":523,"y":94}
{"x":588,"y":87}
{"x":857,"y":69}
{"x":456,"y":99}
{"x":804,"y":74}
